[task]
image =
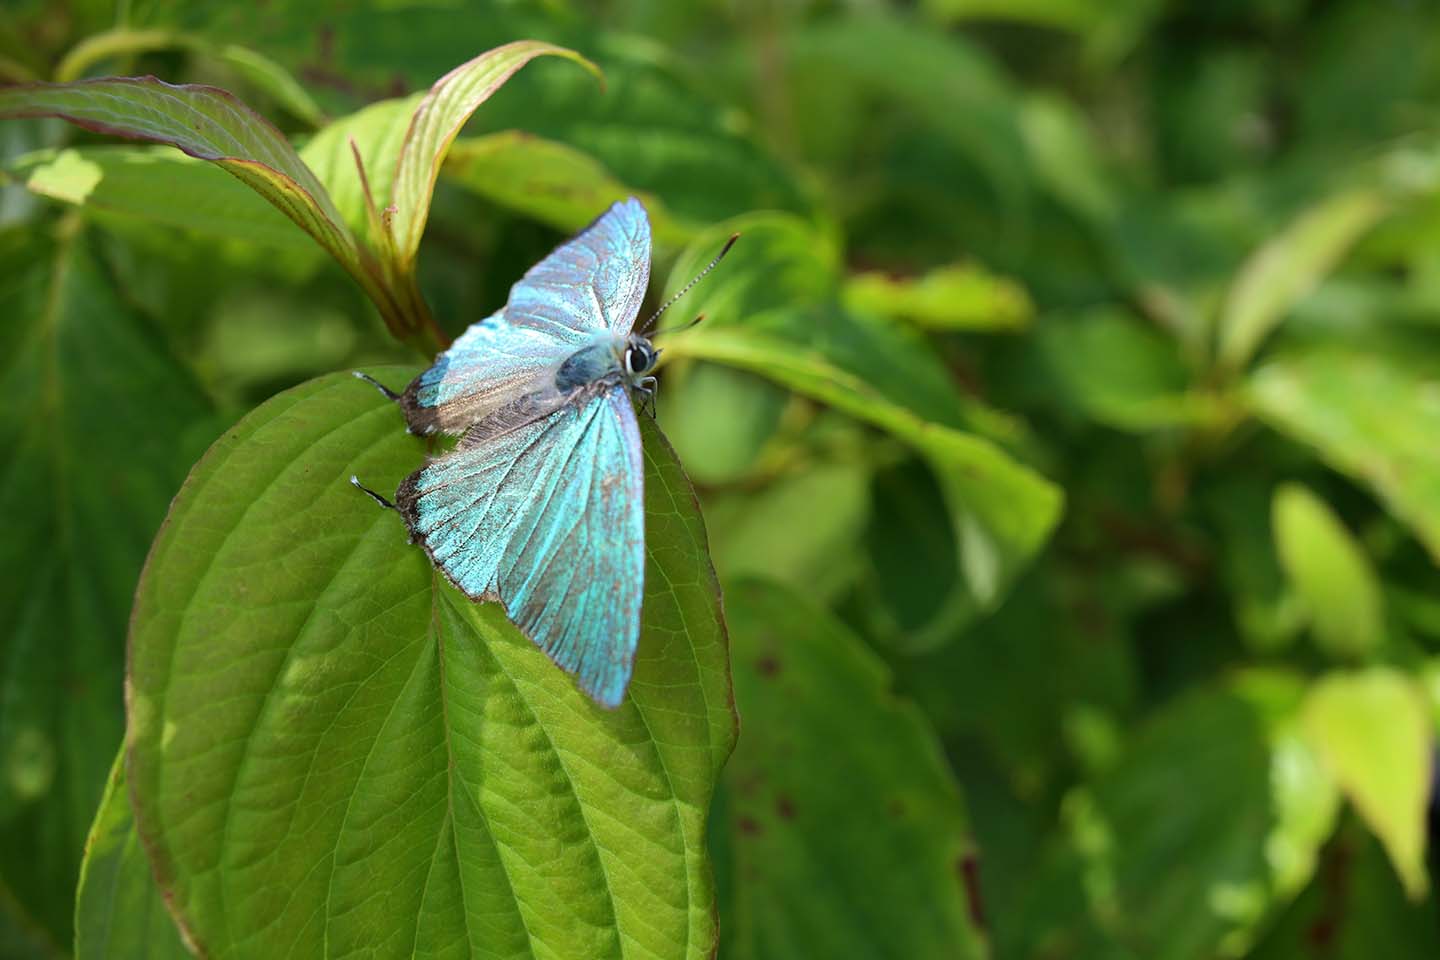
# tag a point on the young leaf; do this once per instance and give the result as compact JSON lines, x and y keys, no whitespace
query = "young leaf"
{"x":856,"y":852}
{"x":437,"y":121}
{"x":376,"y":132}
{"x":1288,"y":267}
{"x":332,"y":749}
{"x":1374,"y":731}
{"x":1331,"y":573}
{"x":97,"y":426}
{"x":118,"y":909}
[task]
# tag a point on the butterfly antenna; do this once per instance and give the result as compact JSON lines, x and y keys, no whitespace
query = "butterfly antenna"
{"x":687,"y":326}
{"x":391,"y":394}
{"x":686,"y":289}
{"x":371,"y":493}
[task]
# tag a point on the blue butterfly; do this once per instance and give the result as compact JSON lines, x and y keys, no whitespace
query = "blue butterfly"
{"x":540,"y":506}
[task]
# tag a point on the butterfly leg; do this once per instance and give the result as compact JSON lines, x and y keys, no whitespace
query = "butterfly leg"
{"x":645,"y":386}
{"x":390,"y":394}
{"x":371,"y":494}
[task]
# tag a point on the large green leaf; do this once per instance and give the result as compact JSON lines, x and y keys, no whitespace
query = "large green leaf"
{"x":98,"y":426}
{"x":1347,"y":402}
{"x":437,"y":121}
{"x":847,"y":835}
{"x":1001,"y":511}
{"x":332,"y":749}
{"x":118,"y":908}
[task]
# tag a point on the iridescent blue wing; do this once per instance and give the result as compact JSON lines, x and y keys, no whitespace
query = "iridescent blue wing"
{"x":591,"y":284}
{"x":549,"y":520}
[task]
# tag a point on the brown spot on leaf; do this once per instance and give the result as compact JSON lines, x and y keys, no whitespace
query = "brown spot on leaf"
{"x":748,"y":826}
{"x":968,"y":866}
{"x":768,"y":666}
{"x":785,"y":807}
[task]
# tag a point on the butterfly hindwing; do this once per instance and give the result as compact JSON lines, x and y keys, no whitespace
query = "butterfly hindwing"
{"x":549,"y":520}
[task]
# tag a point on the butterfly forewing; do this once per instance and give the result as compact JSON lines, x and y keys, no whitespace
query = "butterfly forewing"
{"x":591,"y":285}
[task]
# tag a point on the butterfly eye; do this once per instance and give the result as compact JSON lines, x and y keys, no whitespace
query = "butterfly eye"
{"x":638,"y":358}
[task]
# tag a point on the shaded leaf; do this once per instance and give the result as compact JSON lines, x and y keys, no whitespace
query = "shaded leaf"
{"x":1373,"y":730}
{"x":847,"y":833}
{"x":98,"y":427}
{"x":1344,"y":402}
{"x":1287,"y":267}
{"x":1114,"y":884}
{"x":118,"y":909}
{"x":437,"y":121}
{"x":1330,"y":572}
{"x":332,"y":749}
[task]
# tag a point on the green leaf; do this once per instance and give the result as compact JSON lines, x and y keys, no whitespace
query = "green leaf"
{"x":1287,"y":267}
{"x":98,"y":426}
{"x":118,"y":909}
{"x":376,"y":132}
{"x":159,"y":185}
{"x":1330,"y":572}
{"x":871,"y":857}
{"x":1346,"y":402}
{"x":1001,"y":512}
{"x":551,"y":182}
{"x":959,"y":297}
{"x":1374,"y":731}
{"x":332,"y":749}
{"x":437,"y":121}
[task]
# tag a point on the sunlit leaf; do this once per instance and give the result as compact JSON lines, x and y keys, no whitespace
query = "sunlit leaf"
{"x":1001,"y":511}
{"x":1288,"y":267}
{"x":860,"y":852}
{"x":1331,"y":573}
{"x":1347,"y":402}
{"x":376,"y":132}
{"x":1373,"y":730}
{"x":98,"y":427}
{"x":437,"y":121}
{"x":332,"y":749}
{"x":118,"y":909}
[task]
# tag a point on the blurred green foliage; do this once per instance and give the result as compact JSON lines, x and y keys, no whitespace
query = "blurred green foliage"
{"x":1065,"y":426}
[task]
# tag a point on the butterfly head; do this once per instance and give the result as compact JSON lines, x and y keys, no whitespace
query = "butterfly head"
{"x":640,"y":357}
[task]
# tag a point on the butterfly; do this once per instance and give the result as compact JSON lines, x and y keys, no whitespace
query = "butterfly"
{"x":540,"y":506}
